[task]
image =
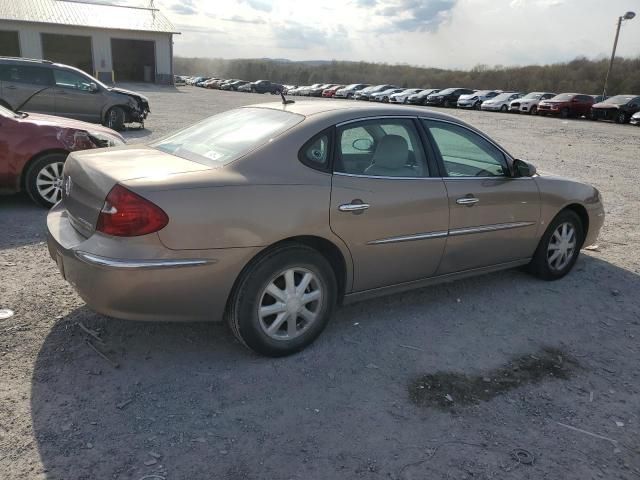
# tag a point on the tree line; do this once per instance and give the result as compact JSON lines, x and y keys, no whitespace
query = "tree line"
{"x":579,"y":75}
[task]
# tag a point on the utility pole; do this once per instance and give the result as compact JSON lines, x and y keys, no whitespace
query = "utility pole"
{"x":626,"y":16}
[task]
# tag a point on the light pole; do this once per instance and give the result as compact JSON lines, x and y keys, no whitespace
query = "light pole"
{"x":626,"y":16}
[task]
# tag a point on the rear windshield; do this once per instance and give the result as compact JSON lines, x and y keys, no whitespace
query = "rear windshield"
{"x":220,"y":139}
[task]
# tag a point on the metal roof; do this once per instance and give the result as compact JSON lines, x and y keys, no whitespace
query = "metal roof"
{"x":86,"y":14}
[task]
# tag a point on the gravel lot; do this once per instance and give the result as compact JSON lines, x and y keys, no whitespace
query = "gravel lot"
{"x":187,"y":402}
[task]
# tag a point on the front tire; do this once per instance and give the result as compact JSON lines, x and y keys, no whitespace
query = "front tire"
{"x":533,"y":110}
{"x":621,"y":118}
{"x":283,"y":301}
{"x":115,"y":118}
{"x":43,"y":180}
{"x":504,"y":108}
{"x":559,"y":247}
{"x":564,"y":113}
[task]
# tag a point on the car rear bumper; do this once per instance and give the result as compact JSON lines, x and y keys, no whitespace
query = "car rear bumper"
{"x":152,"y":283}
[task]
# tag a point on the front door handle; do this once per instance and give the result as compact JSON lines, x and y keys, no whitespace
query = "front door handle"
{"x":354,"y":207}
{"x":468,"y":201}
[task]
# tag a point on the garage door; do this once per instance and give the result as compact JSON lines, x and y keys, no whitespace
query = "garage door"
{"x":133,"y":60}
{"x":74,"y":50}
{"x":9,"y":44}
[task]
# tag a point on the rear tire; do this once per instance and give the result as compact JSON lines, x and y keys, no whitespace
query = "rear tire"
{"x":270,"y":310}
{"x":115,"y":118}
{"x":504,"y":108}
{"x":43,"y":179}
{"x":559,"y":247}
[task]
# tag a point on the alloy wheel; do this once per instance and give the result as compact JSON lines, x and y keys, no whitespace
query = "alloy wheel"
{"x":562,"y":246}
{"x":290,"y":303}
{"x":49,"y":182}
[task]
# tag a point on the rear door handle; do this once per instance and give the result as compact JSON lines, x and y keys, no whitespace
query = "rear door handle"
{"x":468,"y":201}
{"x":353,"y":207}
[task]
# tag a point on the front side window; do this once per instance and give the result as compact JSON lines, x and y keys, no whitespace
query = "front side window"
{"x":67,"y":79}
{"x":380,"y":148}
{"x":223,"y":138}
{"x":465,"y":153}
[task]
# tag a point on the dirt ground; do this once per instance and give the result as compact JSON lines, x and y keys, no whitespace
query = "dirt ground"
{"x":187,"y":402}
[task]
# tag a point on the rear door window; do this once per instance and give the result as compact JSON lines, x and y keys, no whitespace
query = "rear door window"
{"x":28,"y":74}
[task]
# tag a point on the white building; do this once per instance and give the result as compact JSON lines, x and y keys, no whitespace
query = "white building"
{"x":112,"y":42}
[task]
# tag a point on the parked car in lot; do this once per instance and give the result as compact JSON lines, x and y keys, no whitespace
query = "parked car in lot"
{"x":403,"y":96}
{"x":384,"y":95}
{"x":45,"y":87}
{"x":305,"y":89}
{"x":635,"y":119}
{"x":529,"y":103}
{"x":34,"y":147}
{"x":136,"y":236}
{"x":233,"y":86}
{"x":421,"y":97}
{"x":265,"y":86}
{"x":365,"y":93}
{"x":447,"y":97}
{"x":474,"y":100}
{"x":331,"y":91}
{"x":179,"y":81}
{"x":619,"y":108}
{"x":567,"y":105}
{"x":350,"y":90}
{"x":317,"y":92}
{"x":500,"y":103}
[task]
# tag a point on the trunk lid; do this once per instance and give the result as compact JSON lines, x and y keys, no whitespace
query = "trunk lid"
{"x":91,"y":174}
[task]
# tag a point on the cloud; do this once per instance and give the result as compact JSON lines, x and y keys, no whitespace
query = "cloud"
{"x":262,"y":5}
{"x":292,"y":35}
{"x":239,"y":19}
{"x":411,"y":15}
{"x":366,"y":3}
{"x":186,"y":7}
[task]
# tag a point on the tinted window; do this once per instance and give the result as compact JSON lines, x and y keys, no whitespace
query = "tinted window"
{"x":67,"y":79}
{"x":381,"y":148}
{"x":466,"y":154}
{"x":220,"y":139}
{"x":315,"y":152}
{"x":26,"y":74}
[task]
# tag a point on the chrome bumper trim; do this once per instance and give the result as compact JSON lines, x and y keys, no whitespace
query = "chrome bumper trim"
{"x":121,"y":263}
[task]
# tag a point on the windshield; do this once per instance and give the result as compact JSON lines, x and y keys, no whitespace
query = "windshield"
{"x":620,"y":99}
{"x":502,"y":96}
{"x":447,"y":91}
{"x":220,"y":139}
{"x":424,"y":93}
{"x":563,"y":97}
{"x":532,"y":96}
{"x":481,"y":93}
{"x":5,"y":112}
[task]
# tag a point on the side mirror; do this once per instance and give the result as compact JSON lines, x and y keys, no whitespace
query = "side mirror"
{"x":523,"y":169}
{"x":93,"y":87}
{"x":362,"y":145}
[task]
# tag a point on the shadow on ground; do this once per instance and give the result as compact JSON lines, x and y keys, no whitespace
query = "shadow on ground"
{"x":188,"y":402}
{"x":22,"y":221}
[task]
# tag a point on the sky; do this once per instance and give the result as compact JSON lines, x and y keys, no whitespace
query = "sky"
{"x":433,"y":33}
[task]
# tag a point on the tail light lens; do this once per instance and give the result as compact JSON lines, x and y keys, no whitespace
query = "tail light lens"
{"x":126,"y":214}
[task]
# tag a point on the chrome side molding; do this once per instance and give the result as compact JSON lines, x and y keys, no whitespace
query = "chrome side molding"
{"x":123,"y":263}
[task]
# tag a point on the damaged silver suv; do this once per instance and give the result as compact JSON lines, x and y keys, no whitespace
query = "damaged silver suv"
{"x":42,"y":86}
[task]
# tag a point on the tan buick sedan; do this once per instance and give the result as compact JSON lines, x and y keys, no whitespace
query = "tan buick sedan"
{"x":271,"y":215}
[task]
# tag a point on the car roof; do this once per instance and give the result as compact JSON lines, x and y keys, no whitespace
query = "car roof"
{"x":311,"y":108}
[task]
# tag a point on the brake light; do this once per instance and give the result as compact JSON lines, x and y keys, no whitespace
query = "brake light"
{"x":127,"y":214}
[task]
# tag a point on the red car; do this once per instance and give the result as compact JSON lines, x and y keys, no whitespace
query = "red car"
{"x":34,"y":147}
{"x":567,"y":105}
{"x":330,"y":92}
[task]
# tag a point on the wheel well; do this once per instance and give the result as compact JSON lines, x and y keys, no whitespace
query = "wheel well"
{"x":23,"y":175}
{"x":125,"y":108}
{"x":584,"y":217}
{"x":326,"y":248}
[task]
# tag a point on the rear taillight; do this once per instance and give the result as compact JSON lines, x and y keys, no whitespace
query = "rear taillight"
{"x":126,"y":214}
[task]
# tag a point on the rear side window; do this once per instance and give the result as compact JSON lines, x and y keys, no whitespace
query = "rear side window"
{"x":29,"y":74}
{"x":315,"y":153}
{"x":223,"y":138}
